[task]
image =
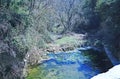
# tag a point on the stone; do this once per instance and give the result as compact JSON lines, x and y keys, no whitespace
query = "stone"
{"x":113,"y":73}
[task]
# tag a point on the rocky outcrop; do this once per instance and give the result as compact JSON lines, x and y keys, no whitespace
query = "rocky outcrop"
{"x":113,"y":73}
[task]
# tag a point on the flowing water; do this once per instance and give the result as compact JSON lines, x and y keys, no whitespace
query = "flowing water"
{"x":75,"y":64}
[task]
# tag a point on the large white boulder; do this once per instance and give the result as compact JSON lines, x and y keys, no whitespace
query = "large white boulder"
{"x":113,"y":73}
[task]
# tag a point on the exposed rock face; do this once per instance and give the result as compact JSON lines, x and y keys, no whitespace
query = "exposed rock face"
{"x":113,"y":73}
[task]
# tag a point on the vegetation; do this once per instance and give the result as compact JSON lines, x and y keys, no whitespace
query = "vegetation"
{"x":109,"y":13}
{"x":70,"y":40}
{"x":34,"y":73}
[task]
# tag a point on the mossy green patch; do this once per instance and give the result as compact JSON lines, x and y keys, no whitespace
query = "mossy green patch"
{"x":66,"y":39}
{"x":69,"y":40}
{"x":34,"y":73}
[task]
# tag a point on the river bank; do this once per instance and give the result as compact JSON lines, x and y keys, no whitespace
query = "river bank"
{"x":60,"y":44}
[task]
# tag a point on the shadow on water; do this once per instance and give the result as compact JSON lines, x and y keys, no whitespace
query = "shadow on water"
{"x":98,"y":58}
{"x":77,"y":64}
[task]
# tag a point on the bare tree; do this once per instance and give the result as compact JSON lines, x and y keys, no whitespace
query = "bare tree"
{"x":67,"y":13}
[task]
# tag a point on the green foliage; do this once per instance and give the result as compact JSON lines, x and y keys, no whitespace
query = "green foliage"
{"x":66,"y":40}
{"x":19,"y":6}
{"x":109,"y":12}
{"x":24,"y":29}
{"x":33,"y":73}
{"x":101,"y":2}
{"x":108,"y":8}
{"x":69,"y":40}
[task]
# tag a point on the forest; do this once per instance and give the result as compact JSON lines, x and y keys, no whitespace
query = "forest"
{"x":59,"y":39}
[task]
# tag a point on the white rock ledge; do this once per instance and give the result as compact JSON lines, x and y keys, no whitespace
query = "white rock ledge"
{"x":113,"y":73}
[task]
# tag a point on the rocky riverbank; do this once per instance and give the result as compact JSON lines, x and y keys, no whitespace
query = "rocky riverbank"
{"x":113,"y":73}
{"x":65,"y":43}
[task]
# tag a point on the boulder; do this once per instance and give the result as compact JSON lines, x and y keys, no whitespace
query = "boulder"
{"x":113,"y":73}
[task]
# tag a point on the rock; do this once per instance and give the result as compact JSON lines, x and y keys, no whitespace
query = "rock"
{"x":113,"y":73}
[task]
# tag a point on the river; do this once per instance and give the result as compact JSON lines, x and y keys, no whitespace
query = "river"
{"x":76,"y":64}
